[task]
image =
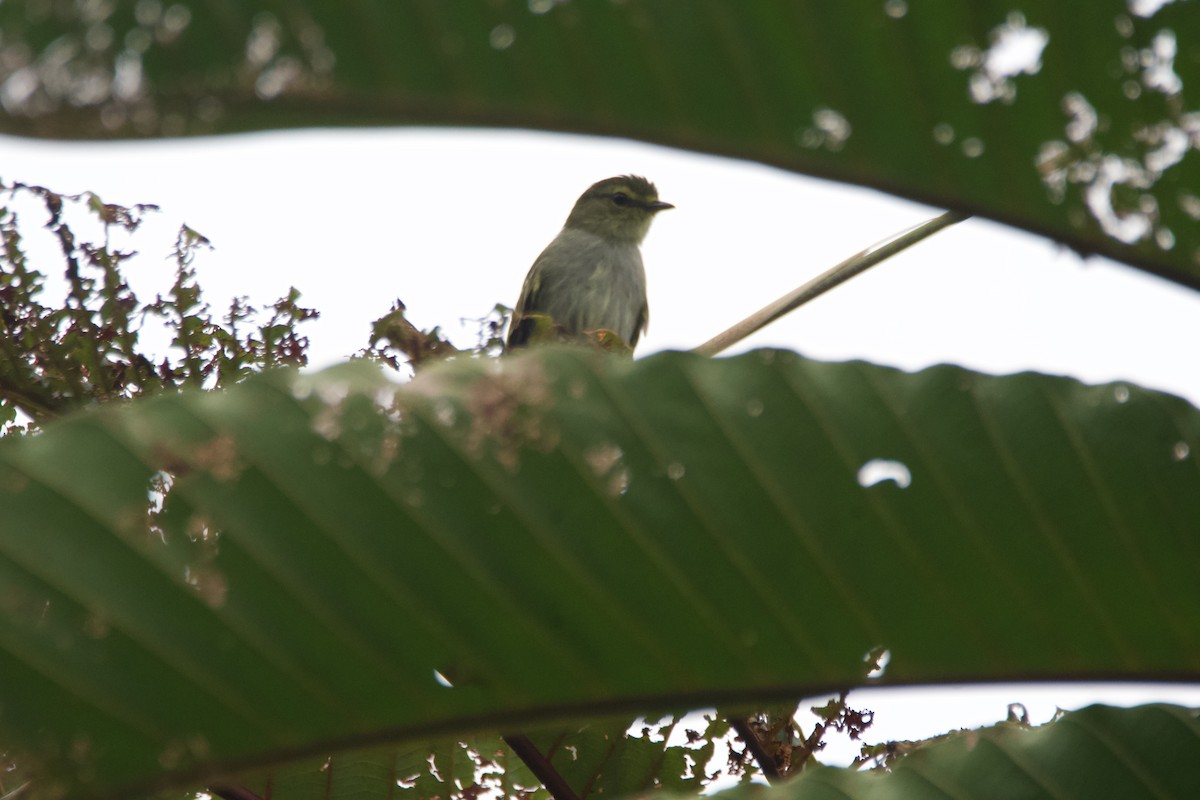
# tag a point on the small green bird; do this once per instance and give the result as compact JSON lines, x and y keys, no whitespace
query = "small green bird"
{"x":591,"y":278}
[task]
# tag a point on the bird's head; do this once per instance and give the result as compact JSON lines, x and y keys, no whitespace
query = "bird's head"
{"x":618,"y":208}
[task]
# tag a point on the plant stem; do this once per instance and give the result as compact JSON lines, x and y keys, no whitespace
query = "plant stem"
{"x":541,"y":767}
{"x":766,"y":763}
{"x":855,"y":264}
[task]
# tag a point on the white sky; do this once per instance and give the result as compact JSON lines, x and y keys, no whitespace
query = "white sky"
{"x":449,"y":221}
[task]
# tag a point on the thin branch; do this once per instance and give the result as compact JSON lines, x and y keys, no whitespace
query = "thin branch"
{"x":15,"y":793}
{"x":541,"y":767}
{"x":814,"y":740}
{"x":766,"y":763}
{"x":25,"y":399}
{"x":854,"y":265}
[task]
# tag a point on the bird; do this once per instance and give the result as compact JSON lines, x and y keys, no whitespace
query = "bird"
{"x":590,"y":278}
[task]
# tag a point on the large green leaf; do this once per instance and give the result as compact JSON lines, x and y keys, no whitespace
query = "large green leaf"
{"x":1094,"y":752}
{"x":1094,"y":145}
{"x":566,"y":535}
{"x":596,"y":758}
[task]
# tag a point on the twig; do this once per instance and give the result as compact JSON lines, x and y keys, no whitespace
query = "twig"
{"x":814,"y":740}
{"x":855,"y":264}
{"x":540,"y":766}
{"x":766,"y":763}
{"x":15,"y":793}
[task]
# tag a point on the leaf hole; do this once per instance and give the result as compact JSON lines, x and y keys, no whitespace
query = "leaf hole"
{"x":877,"y":661}
{"x":878,"y":470}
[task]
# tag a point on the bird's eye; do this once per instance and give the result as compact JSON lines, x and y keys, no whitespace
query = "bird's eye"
{"x":621,"y":199}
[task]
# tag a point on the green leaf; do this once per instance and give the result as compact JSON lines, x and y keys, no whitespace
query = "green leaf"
{"x":1095,"y":752}
{"x":596,"y":757}
{"x":566,"y":536}
{"x":1090,"y":141}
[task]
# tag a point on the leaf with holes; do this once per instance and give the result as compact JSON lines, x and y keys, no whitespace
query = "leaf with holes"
{"x":1071,"y":119}
{"x":565,"y":536}
{"x":1095,"y":752}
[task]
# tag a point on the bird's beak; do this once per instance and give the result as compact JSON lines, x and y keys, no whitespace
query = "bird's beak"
{"x":658,"y":205}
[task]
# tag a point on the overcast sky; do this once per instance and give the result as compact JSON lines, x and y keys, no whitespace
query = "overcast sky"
{"x":449,"y":221}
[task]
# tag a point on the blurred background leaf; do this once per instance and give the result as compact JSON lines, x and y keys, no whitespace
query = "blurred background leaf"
{"x":1071,"y":120}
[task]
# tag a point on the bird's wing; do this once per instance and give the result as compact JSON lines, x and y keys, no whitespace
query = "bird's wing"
{"x":546,"y":277}
{"x":528,"y":301}
{"x":520,"y":328}
{"x":640,"y":325}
